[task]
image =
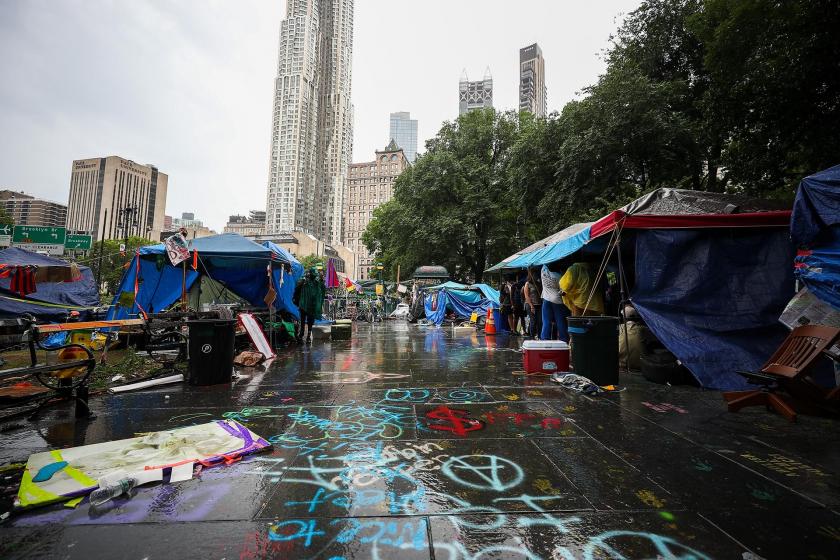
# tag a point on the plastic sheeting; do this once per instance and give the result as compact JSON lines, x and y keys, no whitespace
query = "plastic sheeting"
{"x":819,"y":268}
{"x":462,"y":302}
{"x":817,"y":207}
{"x":79,"y":294}
{"x":713,"y":297}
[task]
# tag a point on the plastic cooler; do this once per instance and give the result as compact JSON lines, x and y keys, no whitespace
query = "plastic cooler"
{"x":545,"y":356}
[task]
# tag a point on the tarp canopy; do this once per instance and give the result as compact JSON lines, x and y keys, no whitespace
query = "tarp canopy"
{"x":712,"y":274}
{"x":660,"y":209}
{"x":237,"y":263}
{"x":51,"y":301}
{"x":815,"y":226}
{"x":460,"y":302}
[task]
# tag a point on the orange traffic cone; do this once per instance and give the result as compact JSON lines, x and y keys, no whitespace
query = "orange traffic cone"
{"x":490,"y":323}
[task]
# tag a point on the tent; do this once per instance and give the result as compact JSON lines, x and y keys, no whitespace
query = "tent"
{"x":708,"y":272}
{"x":461,"y":299}
{"x":51,"y":301}
{"x":151,"y":283}
{"x":815,"y":227}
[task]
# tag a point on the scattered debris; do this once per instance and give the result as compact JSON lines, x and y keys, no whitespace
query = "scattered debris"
{"x":177,"y":378}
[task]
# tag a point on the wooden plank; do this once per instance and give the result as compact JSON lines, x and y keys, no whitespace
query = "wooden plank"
{"x":59,"y":327}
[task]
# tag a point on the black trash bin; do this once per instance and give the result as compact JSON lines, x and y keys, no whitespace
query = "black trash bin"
{"x":211,"y":351}
{"x":595,"y":348}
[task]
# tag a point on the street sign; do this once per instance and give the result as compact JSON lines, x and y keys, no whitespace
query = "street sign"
{"x":6,"y":230}
{"x":78,"y":242}
{"x":48,"y":248}
{"x":5,"y":240}
{"x":39,"y":235}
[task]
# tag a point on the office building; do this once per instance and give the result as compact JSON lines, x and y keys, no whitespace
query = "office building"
{"x":27,"y":210}
{"x":371,"y":184}
{"x":186,"y":220}
{"x":312,"y":136}
{"x":475,"y":95}
{"x":403,"y":131}
{"x":532,"y":91}
{"x":114,"y":197}
{"x":252,"y":225}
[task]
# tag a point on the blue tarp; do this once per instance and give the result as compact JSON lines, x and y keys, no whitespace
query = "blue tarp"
{"x":815,"y":225}
{"x":77,"y":295}
{"x":230,"y":259}
{"x":462,"y":302}
{"x":552,"y":248}
{"x":713,"y":297}
{"x":817,"y":207}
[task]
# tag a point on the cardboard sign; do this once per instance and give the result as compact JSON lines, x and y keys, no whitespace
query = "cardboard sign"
{"x":176,"y":249}
{"x":257,"y":336}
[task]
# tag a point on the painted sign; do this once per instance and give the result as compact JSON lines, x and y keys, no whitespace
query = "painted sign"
{"x":78,"y":242}
{"x":39,"y":235}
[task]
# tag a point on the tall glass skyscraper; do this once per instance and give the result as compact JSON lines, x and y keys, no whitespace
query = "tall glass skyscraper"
{"x":312,"y":129}
{"x":404,"y":133}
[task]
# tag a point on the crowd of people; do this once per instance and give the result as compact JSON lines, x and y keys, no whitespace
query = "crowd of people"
{"x":536,"y":304}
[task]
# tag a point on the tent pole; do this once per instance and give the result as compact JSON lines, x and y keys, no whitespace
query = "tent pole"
{"x":621,"y":314}
{"x":184,"y":286}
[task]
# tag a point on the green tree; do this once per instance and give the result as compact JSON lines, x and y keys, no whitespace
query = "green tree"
{"x":5,"y":219}
{"x":112,"y":262}
{"x":453,"y":206}
{"x":310,"y":261}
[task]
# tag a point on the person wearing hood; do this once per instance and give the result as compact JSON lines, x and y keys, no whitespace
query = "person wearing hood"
{"x":309,"y":297}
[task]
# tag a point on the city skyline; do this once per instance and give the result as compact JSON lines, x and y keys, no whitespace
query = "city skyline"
{"x":204,"y":115}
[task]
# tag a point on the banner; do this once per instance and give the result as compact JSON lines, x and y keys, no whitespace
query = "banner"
{"x":176,"y":249}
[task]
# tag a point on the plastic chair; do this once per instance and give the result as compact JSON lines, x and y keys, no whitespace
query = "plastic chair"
{"x":787,"y":370}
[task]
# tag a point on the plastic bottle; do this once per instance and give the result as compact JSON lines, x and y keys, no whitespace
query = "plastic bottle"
{"x":102,"y":495}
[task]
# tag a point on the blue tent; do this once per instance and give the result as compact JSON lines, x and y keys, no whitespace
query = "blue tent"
{"x":461,"y":299}
{"x":237,"y":263}
{"x":52,"y":300}
{"x":815,"y":227}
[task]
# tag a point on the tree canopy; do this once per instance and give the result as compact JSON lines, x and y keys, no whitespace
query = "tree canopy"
{"x":719,"y":95}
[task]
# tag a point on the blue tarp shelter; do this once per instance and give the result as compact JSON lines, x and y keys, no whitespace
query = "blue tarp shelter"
{"x":711,"y":273}
{"x":237,"y":263}
{"x":815,"y":228}
{"x":52,"y":300}
{"x":460,"y":299}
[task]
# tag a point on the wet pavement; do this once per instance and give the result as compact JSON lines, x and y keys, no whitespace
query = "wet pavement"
{"x":410,"y":442}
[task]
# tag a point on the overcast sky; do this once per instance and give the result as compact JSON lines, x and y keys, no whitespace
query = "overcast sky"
{"x":188,"y":84}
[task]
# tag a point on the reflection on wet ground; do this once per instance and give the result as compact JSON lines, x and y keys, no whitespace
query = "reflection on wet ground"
{"x":407,"y":442}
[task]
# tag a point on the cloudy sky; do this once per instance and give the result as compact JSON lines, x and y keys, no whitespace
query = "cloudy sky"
{"x":187,"y":84}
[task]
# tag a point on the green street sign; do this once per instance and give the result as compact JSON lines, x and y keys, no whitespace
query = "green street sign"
{"x":78,"y":242}
{"x":39,"y":234}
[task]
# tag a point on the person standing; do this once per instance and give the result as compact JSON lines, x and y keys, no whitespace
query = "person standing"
{"x":554,"y":313}
{"x":580,"y":294}
{"x":531,"y":293}
{"x":519,"y":306}
{"x":506,"y":304}
{"x":310,"y":300}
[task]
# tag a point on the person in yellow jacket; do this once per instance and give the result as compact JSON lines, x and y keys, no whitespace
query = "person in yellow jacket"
{"x":576,"y":285}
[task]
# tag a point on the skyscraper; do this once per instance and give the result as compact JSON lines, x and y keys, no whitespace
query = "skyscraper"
{"x":532,"y":91}
{"x":312,"y":129}
{"x":475,"y":95}
{"x":404,"y":133}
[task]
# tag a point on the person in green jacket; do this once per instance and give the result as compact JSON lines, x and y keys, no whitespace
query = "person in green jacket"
{"x":309,"y":297}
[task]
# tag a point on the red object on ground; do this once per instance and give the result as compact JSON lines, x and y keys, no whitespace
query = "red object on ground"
{"x":545,"y":356}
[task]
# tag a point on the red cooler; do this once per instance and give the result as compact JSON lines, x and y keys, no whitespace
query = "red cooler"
{"x":545,"y":356}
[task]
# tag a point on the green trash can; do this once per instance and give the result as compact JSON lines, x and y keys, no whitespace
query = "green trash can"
{"x":594,"y":343}
{"x":211,"y":344}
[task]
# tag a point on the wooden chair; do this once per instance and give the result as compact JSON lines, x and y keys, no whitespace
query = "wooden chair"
{"x":787,"y":370}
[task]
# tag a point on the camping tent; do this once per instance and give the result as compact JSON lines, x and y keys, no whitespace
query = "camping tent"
{"x":815,"y":227}
{"x":238,"y":264}
{"x":709,"y":273}
{"x":51,"y":301}
{"x":460,"y":299}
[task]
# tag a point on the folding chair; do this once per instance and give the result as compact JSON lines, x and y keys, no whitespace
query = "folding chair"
{"x":787,"y":370}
